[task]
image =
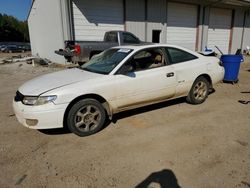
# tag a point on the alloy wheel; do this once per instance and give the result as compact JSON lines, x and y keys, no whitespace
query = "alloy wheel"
{"x":87,"y":118}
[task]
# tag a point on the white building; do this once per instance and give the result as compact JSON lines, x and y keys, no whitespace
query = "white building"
{"x":193,"y":24}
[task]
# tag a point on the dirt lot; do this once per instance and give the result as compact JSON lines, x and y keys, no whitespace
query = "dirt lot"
{"x":172,"y":144}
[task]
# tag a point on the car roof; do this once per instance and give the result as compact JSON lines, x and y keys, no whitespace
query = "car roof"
{"x":145,"y":45}
{"x":137,"y":47}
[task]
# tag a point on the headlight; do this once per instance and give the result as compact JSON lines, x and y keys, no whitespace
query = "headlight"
{"x":35,"y":101}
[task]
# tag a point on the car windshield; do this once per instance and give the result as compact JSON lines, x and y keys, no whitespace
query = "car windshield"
{"x":106,"y":61}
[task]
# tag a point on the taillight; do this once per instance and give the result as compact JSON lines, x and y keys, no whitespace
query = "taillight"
{"x":77,"y":49}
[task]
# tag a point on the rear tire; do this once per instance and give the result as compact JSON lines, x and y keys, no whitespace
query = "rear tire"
{"x":199,"y":91}
{"x":86,"y":117}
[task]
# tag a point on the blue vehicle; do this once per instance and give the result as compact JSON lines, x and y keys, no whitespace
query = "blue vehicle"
{"x":12,"y":48}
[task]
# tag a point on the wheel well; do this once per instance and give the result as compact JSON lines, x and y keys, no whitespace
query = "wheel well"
{"x":208,"y":78}
{"x":88,"y":96}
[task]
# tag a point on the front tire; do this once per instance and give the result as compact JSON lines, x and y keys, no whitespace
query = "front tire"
{"x":199,"y":91}
{"x":86,"y":117}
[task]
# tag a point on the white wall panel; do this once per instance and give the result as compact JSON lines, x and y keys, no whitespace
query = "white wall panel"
{"x":182,"y":25}
{"x":246,"y":36}
{"x":46,"y":29}
{"x":93,"y":18}
{"x":157,"y":18}
{"x":237,"y":30}
{"x":135,"y":18}
{"x":219,"y":29}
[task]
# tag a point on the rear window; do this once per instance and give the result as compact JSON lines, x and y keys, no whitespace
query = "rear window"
{"x":178,"y":56}
{"x":128,"y":38}
{"x":111,"y":37}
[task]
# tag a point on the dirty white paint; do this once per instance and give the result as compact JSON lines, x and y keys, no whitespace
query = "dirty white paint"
{"x":145,"y":87}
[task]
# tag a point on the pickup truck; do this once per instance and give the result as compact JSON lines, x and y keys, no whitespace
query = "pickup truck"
{"x":82,"y":51}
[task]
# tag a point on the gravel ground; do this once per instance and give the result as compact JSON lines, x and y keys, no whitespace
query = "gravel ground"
{"x":171,"y":144}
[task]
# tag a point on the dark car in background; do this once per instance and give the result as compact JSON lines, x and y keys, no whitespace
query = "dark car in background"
{"x":2,"y":47}
{"x":14,"y":48}
{"x":26,"y":47}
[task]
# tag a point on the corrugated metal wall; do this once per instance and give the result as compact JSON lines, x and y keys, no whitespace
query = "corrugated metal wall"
{"x":156,"y":19}
{"x":195,"y":32}
{"x":93,"y":18}
{"x":182,"y":25}
{"x":219,"y":29}
{"x":135,"y":18}
{"x":52,"y":22}
{"x":237,"y":30}
{"x":246,"y":36}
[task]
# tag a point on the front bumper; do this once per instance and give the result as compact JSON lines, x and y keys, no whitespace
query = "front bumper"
{"x":48,"y":116}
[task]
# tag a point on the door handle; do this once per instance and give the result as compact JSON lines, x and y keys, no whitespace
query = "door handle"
{"x":170,"y":74}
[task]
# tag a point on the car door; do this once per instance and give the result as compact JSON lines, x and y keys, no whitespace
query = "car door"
{"x":151,"y":80}
{"x":187,"y":67}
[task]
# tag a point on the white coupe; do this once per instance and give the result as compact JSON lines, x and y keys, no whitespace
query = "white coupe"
{"x":117,"y":79}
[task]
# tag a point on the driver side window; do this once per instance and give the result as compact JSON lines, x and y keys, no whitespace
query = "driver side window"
{"x":147,"y":59}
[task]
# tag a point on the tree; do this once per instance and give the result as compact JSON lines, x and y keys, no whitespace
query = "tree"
{"x":13,"y":30}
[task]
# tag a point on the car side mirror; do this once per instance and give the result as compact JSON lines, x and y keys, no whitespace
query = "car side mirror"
{"x":125,"y":69}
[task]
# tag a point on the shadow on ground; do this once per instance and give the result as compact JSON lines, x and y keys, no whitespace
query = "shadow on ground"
{"x":58,"y":131}
{"x":165,"y":179}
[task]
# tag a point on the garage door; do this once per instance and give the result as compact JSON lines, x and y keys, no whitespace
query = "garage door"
{"x":135,"y":18}
{"x":182,"y":25}
{"x":93,"y":18}
{"x":219,"y":29}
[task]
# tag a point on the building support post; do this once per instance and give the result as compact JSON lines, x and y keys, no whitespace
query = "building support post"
{"x":205,"y":25}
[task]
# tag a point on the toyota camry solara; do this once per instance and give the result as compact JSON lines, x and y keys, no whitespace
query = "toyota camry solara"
{"x":117,"y":79}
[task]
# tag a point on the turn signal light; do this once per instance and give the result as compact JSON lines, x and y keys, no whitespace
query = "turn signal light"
{"x":77,"y":49}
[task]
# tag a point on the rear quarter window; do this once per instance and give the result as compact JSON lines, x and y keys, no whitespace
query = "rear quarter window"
{"x":178,"y":56}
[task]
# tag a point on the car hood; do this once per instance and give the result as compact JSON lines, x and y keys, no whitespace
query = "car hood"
{"x":55,"y":80}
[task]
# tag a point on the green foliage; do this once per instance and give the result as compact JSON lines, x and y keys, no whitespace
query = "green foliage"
{"x":13,"y":30}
